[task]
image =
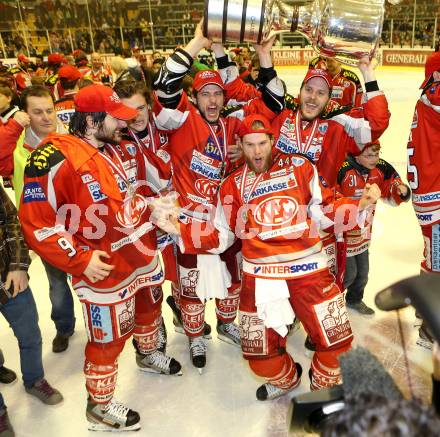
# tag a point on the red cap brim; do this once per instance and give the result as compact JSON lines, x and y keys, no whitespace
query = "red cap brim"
{"x":123,"y":112}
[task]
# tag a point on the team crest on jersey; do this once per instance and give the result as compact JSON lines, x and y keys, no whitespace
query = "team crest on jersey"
{"x":130,"y":213}
{"x":276,"y":211}
{"x":131,"y":149}
{"x":206,"y":188}
{"x":322,"y":128}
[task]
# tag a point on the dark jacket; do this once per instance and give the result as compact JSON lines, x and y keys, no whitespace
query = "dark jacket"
{"x":14,"y":254}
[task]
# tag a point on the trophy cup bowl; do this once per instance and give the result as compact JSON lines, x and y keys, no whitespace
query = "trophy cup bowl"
{"x":344,"y":29}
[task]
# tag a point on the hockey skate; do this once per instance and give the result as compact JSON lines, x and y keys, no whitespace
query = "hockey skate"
{"x":162,"y":338}
{"x":157,"y":362}
{"x":229,"y":333}
{"x":197,"y":351}
{"x":177,"y":319}
{"x":267,"y":392}
{"x":114,"y":416}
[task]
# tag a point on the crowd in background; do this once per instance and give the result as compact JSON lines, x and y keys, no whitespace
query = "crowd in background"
{"x":129,"y":24}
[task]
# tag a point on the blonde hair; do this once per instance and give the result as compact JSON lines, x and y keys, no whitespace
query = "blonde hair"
{"x":118,"y":65}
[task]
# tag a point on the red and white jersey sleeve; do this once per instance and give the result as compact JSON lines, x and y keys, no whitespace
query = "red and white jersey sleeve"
{"x":423,"y":151}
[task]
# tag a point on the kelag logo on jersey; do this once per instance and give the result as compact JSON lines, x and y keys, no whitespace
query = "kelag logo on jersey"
{"x":276,"y":211}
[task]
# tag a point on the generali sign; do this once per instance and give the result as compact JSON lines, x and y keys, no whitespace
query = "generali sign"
{"x":409,"y":58}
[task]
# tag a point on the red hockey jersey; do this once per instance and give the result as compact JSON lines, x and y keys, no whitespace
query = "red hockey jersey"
{"x":352,"y":178}
{"x":423,"y":152}
{"x":198,"y":152}
{"x":327,"y":141}
{"x":278,"y":215}
{"x":77,"y":199}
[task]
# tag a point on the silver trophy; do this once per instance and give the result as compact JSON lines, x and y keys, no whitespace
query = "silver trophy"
{"x":344,"y":29}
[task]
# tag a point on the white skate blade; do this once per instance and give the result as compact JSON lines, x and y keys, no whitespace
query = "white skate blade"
{"x":157,"y":372}
{"x":200,"y":369}
{"x":106,"y":428}
{"x":180,"y":330}
{"x":226,"y":339}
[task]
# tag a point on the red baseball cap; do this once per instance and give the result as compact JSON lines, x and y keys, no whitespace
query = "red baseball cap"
{"x":69,"y":72}
{"x":55,"y":58}
{"x":246,"y":125}
{"x":318,"y":72}
{"x":432,"y":64}
{"x":100,"y":98}
{"x":23,"y":58}
{"x":207,"y":77}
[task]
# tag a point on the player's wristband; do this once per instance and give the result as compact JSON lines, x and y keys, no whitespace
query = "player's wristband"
{"x":371,"y":86}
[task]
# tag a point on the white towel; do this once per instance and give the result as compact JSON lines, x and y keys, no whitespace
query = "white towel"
{"x":273,"y":306}
{"x":214,"y":278}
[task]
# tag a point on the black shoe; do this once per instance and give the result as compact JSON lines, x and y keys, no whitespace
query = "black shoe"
{"x":361,"y":308}
{"x":7,"y":375}
{"x":60,"y":343}
{"x":6,"y":429}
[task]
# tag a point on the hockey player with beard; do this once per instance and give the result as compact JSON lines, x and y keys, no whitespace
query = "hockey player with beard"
{"x":142,"y":133}
{"x":275,"y":205}
{"x":346,"y":86}
{"x":84,"y":210}
{"x":423,"y":172}
{"x":202,"y":147}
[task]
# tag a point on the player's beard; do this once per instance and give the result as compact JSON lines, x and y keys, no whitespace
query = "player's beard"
{"x":109,"y":137}
{"x":265,"y":165}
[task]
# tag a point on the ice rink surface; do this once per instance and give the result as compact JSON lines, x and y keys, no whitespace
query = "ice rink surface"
{"x":222,"y":402}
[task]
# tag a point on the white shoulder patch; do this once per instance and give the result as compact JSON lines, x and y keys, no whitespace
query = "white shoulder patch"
{"x":164,"y":156}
